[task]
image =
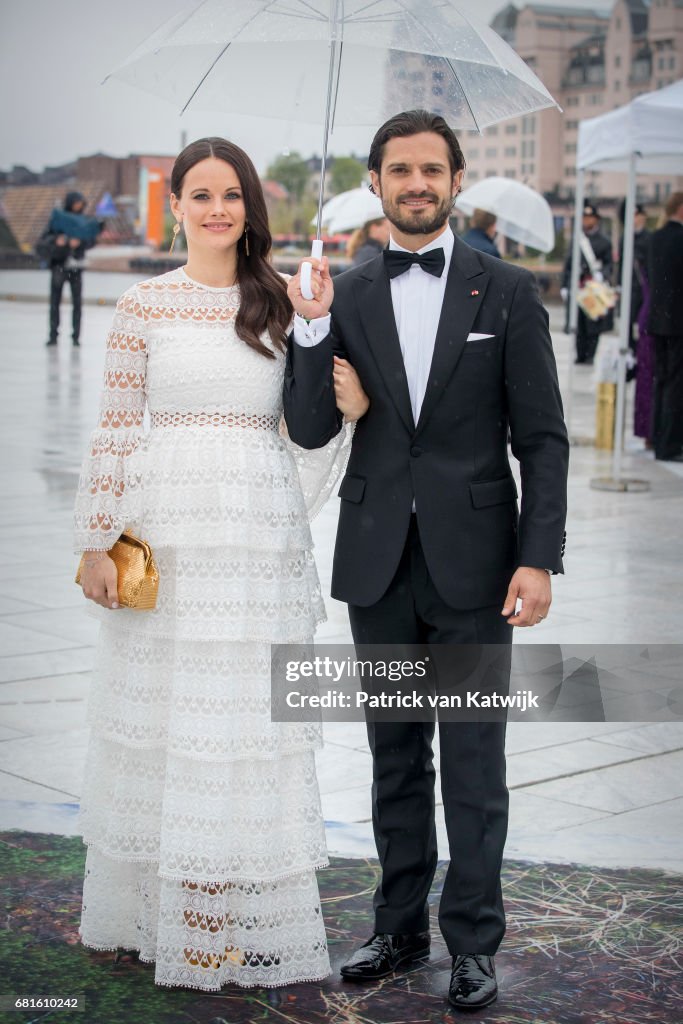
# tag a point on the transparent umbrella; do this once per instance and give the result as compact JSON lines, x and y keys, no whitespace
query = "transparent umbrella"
{"x":327,"y":62}
{"x":522,"y":213}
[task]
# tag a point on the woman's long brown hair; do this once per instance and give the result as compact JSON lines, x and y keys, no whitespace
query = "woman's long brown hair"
{"x":264,"y":303}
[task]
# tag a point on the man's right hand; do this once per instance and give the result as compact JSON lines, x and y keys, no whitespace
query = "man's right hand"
{"x":99,"y":579}
{"x":60,"y":240}
{"x":321,"y":285}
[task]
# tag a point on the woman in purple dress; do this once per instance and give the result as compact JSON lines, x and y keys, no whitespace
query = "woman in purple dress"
{"x":645,"y":372}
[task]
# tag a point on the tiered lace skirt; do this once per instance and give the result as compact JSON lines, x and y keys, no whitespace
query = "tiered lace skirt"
{"x":201,"y":815}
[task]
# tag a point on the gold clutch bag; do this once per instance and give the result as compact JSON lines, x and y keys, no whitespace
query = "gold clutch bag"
{"x":138,"y":576}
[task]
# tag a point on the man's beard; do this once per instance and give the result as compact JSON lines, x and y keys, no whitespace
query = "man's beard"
{"x":423,"y":222}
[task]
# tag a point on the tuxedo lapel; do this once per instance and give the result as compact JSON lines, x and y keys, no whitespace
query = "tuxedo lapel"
{"x":465,"y":289}
{"x":373,"y":295}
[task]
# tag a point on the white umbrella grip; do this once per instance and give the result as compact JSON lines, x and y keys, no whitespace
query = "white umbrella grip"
{"x":307,"y":268}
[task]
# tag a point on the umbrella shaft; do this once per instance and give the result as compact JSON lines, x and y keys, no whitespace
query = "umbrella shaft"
{"x":334,"y":47}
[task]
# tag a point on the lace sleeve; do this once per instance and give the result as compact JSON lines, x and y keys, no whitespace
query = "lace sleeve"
{"x":320,"y":469}
{"x":104,"y":501}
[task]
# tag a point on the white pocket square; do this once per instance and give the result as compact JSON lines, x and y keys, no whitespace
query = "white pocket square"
{"x":479,"y":337}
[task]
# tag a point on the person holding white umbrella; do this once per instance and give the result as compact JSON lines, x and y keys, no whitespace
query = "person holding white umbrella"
{"x":368,"y":241}
{"x":482,"y":233}
{"x":518,"y":212}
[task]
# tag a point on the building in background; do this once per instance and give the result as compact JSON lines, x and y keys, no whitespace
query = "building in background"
{"x":592,"y":60}
{"x":29,"y":197}
{"x":27,"y":209}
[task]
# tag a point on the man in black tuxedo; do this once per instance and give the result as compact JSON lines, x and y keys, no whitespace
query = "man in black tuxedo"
{"x":666,"y":324}
{"x":452,"y":348}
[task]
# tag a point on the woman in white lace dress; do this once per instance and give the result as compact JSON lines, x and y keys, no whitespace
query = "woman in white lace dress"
{"x":202,"y":817}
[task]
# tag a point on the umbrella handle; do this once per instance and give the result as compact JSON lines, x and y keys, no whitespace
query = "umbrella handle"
{"x":307,"y":268}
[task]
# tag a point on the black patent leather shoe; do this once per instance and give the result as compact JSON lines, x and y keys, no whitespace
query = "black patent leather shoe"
{"x":473,"y":981}
{"x":382,"y":954}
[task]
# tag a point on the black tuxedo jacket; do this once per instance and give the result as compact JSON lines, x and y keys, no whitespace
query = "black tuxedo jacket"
{"x":453,"y":462}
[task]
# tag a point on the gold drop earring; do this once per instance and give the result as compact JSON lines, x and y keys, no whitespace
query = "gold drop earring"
{"x":176,"y":231}
{"x":246,"y":237}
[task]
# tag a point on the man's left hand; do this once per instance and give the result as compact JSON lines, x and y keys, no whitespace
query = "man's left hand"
{"x":532,"y":586}
{"x":74,"y":243}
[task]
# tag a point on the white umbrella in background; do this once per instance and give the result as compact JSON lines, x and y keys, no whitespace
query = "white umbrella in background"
{"x":354,"y":209}
{"x":335,"y":62}
{"x":522,"y":213}
{"x":329,"y":209}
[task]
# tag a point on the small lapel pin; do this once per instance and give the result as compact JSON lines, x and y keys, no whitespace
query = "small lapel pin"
{"x":475,"y":292}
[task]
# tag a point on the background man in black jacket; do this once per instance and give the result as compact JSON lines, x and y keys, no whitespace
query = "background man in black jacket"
{"x":666,"y":324}
{"x":588,"y":331}
{"x":452,"y":348}
{"x":641,"y":248}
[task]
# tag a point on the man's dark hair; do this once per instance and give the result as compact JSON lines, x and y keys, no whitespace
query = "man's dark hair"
{"x":412,"y":122}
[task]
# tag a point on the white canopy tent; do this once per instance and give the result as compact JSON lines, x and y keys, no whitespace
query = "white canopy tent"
{"x":643,"y":137}
{"x":650,"y":126}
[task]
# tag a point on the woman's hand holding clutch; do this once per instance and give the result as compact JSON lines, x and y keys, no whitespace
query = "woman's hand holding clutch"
{"x":99,"y":579}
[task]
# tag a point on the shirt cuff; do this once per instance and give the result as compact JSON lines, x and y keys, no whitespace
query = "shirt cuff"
{"x":308,"y":334}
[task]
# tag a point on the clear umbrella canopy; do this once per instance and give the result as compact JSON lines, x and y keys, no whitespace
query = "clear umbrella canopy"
{"x":274,"y":58}
{"x":327,"y":62}
{"x":522,"y":213}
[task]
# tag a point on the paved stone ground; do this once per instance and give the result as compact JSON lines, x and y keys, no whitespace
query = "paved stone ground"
{"x":608,"y":793}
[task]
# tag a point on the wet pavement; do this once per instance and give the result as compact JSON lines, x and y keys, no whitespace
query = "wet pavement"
{"x":601,"y":793}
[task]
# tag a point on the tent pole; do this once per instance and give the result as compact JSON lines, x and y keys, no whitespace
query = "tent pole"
{"x":573,"y":290}
{"x":616,"y":482}
{"x":625,"y":315}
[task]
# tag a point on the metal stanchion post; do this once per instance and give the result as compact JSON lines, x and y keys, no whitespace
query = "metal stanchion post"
{"x":573,"y":317}
{"x":616,"y":482}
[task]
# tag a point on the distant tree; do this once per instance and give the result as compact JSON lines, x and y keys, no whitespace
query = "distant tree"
{"x":290,"y":170}
{"x":346,"y":173}
{"x":293,"y":218}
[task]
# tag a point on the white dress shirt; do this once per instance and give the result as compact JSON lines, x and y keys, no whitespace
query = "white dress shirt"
{"x":417,"y":298}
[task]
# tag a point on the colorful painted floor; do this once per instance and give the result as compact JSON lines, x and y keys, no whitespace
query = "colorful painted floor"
{"x":583,"y":946}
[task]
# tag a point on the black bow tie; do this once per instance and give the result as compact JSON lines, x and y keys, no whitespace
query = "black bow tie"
{"x":397,"y":261}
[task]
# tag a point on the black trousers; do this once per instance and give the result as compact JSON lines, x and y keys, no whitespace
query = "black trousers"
{"x":587,"y":337}
{"x":475,"y":797}
{"x":60,"y":275}
{"x":668,"y":399}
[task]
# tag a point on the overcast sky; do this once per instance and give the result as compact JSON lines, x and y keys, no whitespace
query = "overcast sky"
{"x":53,"y":56}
